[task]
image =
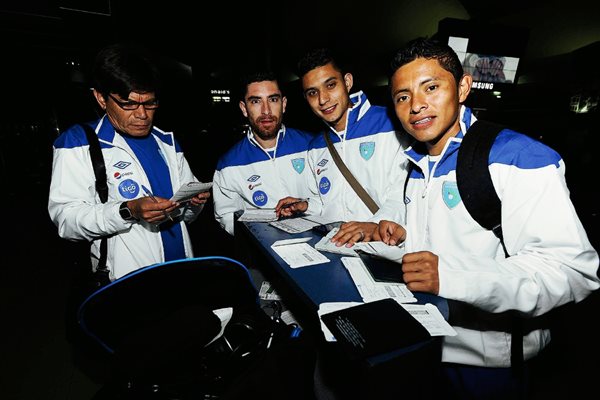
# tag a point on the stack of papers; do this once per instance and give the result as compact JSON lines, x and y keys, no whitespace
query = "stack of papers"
{"x":295,"y":225}
{"x":259,"y":215}
{"x":189,"y":190}
{"x":298,"y":253}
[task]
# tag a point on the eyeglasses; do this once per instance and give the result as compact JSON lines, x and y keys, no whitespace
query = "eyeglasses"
{"x":134,"y":105}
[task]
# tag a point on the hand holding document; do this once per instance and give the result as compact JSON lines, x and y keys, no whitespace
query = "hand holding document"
{"x":325,"y":245}
{"x":189,"y":190}
{"x":380,"y":249}
{"x":259,"y":215}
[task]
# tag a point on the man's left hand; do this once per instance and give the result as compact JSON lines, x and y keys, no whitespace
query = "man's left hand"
{"x":353,"y":231}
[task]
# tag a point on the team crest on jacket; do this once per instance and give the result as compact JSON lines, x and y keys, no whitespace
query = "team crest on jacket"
{"x":298,"y":164}
{"x":367,"y":149}
{"x":450,"y":194}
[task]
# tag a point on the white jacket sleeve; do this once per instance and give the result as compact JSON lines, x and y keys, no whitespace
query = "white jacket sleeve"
{"x":226,"y":202}
{"x":74,"y":205}
{"x":552,"y":261}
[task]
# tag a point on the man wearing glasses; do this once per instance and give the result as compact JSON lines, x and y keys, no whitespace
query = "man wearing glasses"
{"x":144,"y":167}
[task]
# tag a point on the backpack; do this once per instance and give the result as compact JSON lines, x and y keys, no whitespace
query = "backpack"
{"x":481,"y":201}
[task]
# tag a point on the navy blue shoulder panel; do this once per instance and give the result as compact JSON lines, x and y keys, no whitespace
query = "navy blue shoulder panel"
{"x":71,"y":138}
{"x":75,"y":137}
{"x":522,"y":151}
{"x":376,"y":120}
{"x":244,"y":152}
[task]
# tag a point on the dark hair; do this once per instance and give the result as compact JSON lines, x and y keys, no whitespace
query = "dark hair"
{"x":124,"y":68}
{"x":429,"y":49}
{"x":255,"y":76}
{"x":317,"y":58}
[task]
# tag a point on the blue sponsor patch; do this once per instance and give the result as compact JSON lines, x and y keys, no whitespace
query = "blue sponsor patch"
{"x":367,"y":149}
{"x":253,"y":178}
{"x":322,"y":162}
{"x":450,"y":194}
{"x":122,"y":164}
{"x":129,"y":189}
{"x":324,"y":185}
{"x":260,"y":198}
{"x":298,"y":164}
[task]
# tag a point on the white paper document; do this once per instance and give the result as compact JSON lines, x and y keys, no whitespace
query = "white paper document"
{"x":325,"y":245}
{"x":326,"y":308}
{"x":189,"y":190}
{"x":431,"y":318}
{"x":297,"y":253}
{"x":380,"y":249}
{"x":371,"y":290}
{"x":259,"y":215}
{"x":295,"y":225}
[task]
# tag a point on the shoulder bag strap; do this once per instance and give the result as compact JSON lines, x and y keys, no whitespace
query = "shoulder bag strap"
{"x":101,"y":186}
{"x":360,"y":191}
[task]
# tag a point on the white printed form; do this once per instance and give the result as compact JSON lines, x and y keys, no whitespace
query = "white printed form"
{"x":298,"y":253}
{"x":431,"y":318}
{"x":189,"y":190}
{"x":294,"y":225}
{"x":370,"y":290}
{"x":259,"y":215}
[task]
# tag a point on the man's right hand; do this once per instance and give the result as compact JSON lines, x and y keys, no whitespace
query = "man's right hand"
{"x":289,"y":206}
{"x":150,"y":211}
{"x":391,"y":233}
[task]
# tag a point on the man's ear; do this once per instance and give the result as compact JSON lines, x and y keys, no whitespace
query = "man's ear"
{"x":464,"y":87}
{"x":100,"y":99}
{"x":349,"y":81}
{"x":243,"y":108}
{"x":284,"y":103}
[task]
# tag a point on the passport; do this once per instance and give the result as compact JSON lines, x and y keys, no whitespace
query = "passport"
{"x":375,"y":328}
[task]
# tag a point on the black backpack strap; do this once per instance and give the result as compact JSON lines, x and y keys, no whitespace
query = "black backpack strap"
{"x":101,"y":187}
{"x":97,"y":162}
{"x":474,"y":180}
{"x":481,"y":201}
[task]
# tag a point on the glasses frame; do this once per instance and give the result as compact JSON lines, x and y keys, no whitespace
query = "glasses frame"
{"x":131,"y":105}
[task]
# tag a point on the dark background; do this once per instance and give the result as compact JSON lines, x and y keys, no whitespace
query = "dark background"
{"x":47,"y":48}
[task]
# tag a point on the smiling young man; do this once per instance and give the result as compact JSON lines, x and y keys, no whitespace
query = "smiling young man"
{"x":269,"y":162}
{"x":365,"y":137}
{"x":144,"y":168}
{"x":449,"y":254}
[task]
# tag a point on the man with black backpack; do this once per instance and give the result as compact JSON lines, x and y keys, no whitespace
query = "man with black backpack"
{"x":118,"y":199}
{"x":536,"y":259}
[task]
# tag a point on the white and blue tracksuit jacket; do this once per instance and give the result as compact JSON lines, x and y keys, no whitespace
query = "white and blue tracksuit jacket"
{"x":77,"y":211}
{"x":551,"y":263}
{"x":247,"y":176}
{"x":372,"y":150}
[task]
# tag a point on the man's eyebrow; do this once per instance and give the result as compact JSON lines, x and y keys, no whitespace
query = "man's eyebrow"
{"x":333,"y":78}
{"x":423,"y":82}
